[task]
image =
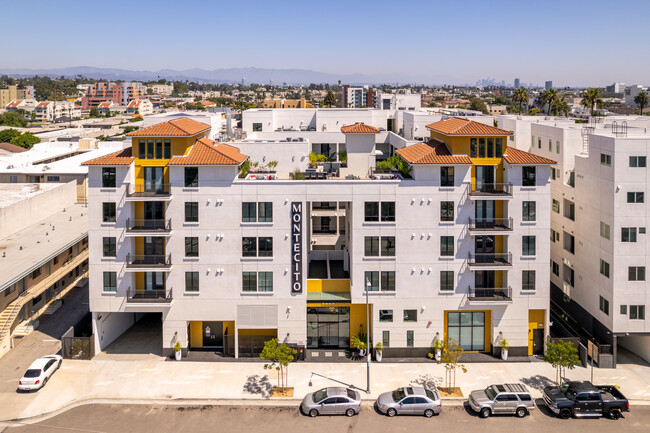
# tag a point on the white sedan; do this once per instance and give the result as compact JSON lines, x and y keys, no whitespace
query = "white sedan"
{"x":39,"y":372}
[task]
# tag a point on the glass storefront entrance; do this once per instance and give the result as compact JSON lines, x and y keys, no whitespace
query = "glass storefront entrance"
{"x":328,"y":327}
{"x":467,"y":329}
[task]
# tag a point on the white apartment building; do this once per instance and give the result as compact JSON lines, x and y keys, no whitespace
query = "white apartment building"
{"x":632,"y":91}
{"x":455,"y":246}
{"x":398,"y":101}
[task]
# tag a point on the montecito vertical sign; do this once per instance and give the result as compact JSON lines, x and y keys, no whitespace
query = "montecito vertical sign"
{"x":296,"y":247}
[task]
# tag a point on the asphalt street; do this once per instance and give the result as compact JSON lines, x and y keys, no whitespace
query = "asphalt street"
{"x":271,"y":419}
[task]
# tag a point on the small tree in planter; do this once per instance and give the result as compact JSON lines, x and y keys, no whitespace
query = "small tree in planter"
{"x":451,"y":353}
{"x":504,"y":348}
{"x":437,"y":349}
{"x":359,"y":342}
{"x":177,"y":351}
{"x":272,"y":165}
{"x":343,"y":157}
{"x":280,"y":356}
{"x":315,"y":158}
{"x":561,"y":355}
{"x":379,"y":351}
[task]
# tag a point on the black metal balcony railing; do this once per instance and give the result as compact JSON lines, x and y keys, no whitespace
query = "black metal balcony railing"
{"x":491,"y":189}
{"x":490,"y":224}
{"x":148,"y":260}
{"x":490,"y":294}
{"x":142,"y":296}
{"x":148,"y":190}
{"x":148,"y":225}
{"x":490,"y":259}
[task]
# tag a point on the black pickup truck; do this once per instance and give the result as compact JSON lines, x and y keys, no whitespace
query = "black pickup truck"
{"x":585,"y":399}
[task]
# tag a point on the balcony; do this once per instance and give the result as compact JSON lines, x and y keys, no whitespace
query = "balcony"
{"x":482,"y":225}
{"x":145,"y":191}
{"x":148,"y":227}
{"x":492,"y":295}
{"x":148,"y":262}
{"x":489,"y":260}
{"x":494,"y":190}
{"x":148,"y":296}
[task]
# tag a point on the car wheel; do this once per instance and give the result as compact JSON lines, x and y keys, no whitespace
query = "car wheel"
{"x":614,"y":413}
{"x":44,"y":382}
{"x":485,"y":412}
{"x":428,"y":413}
{"x":565,"y":413}
{"x":391,"y":412}
{"x":521,"y":412}
{"x":59,"y":365}
{"x":313,"y":413}
{"x":349,"y":412}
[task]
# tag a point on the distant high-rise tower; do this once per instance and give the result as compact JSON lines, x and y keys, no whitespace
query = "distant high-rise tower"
{"x":548,"y":85}
{"x":517,"y":83}
{"x":243,"y":82}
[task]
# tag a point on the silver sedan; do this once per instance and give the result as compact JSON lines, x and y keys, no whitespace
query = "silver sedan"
{"x":412,"y":400}
{"x":332,"y":401}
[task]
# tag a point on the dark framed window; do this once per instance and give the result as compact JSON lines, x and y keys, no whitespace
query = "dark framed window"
{"x":109,"y":212}
{"x":249,"y":246}
{"x":446,"y":211}
{"x":472,"y":147}
{"x":108,"y":177}
{"x":481,"y":148}
{"x":385,"y":338}
{"x":191,"y":212}
{"x":467,"y":329}
{"x":150,"y":152}
{"x":388,"y":246}
{"x":446,"y":176}
{"x":371,"y":244}
{"x":604,"y":305}
{"x":528,"y":211}
{"x":605,"y":159}
{"x":191,"y":177}
{"x":410,"y":315}
{"x":556,"y":268}
{"x":637,"y":161}
{"x":265,"y":212}
{"x":628,"y":234}
{"x":109,"y":247}
{"x":635,"y":197}
{"x":446,"y":246}
{"x":265,"y":282}
{"x":623,"y":310}
{"x":556,"y":206}
{"x":388,"y":211}
{"x":385,"y":315}
{"x":168,"y":148}
{"x":36,"y":273}
{"x":249,"y":212}
{"x":636,"y":273}
{"x":257,"y":127}
{"x":371,"y":211}
{"x":249,"y":281}
{"x":604,"y":268}
{"x":569,"y":210}
{"x":490,"y":148}
{"x":569,"y":242}
{"x":191,"y":247}
{"x":142,"y":149}
{"x":191,"y":281}
{"x":637,"y":312}
{"x":110,"y":281}
{"x":265,"y":246}
{"x":159,"y":148}
{"x":387,"y":281}
{"x":528,"y":245}
{"x":528,"y":280}
{"x":528,"y":175}
{"x":498,"y":150}
{"x":372,"y":277}
{"x":409,"y":341}
{"x":447,"y":281}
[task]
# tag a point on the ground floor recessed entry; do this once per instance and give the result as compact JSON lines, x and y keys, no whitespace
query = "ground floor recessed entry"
{"x":470,"y":329}
{"x":328,"y":327}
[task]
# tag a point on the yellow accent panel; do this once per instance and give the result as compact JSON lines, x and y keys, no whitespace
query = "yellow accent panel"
{"x":229,"y":327}
{"x":498,"y":208}
{"x":535,"y":318}
{"x":272,"y":333}
{"x":498,"y":244}
{"x":139,"y":245}
{"x":139,"y":281}
{"x":498,"y":278}
{"x":139,"y":210}
{"x":328,"y":285}
{"x":487,"y":327}
{"x":358,"y":318}
{"x":196,"y":334}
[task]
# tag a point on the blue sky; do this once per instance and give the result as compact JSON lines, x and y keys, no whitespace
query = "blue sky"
{"x":572,"y":42}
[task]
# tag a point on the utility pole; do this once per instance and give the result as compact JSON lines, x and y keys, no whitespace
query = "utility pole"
{"x":368,"y":337}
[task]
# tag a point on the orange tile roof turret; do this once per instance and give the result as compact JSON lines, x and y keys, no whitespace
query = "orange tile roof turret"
{"x":359,"y":128}
{"x":458,"y":126}
{"x":432,"y":153}
{"x":182,"y":127}
{"x":123,"y":157}
{"x":516,"y":156}
{"x":206,"y":152}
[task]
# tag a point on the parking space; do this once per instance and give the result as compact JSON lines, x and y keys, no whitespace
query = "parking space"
{"x":143,"y":340}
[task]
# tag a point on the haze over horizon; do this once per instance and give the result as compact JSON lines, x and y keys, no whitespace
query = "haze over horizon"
{"x":573,"y":43}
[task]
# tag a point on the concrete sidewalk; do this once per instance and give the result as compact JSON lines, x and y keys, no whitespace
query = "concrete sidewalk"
{"x":155,"y":380}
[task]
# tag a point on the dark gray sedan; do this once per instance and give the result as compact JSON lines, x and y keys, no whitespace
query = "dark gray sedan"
{"x":411,"y":400}
{"x":332,"y":401}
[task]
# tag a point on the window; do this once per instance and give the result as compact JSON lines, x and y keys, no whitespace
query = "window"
{"x":409,"y":338}
{"x":472,"y":147}
{"x":604,"y":305}
{"x":385,"y":338}
{"x":191,"y":212}
{"x":108,"y":177}
{"x":265,"y":212}
{"x":249,"y":247}
{"x":249,"y":212}
{"x":550,"y":145}
{"x":568,"y":275}
{"x":555,"y":236}
{"x":110,"y":247}
{"x":191,"y":177}
{"x":388,"y":211}
{"x":557,"y":147}
{"x":605,"y":159}
{"x":624,"y":310}
{"x":142,"y":149}
{"x":159,"y":152}
{"x":36,"y":273}
{"x":628,"y":234}
{"x":191,"y":281}
{"x":556,"y":268}
{"x":372,"y":277}
{"x":528,"y":246}
{"x":191,"y":247}
{"x":637,"y":161}
{"x":150,"y":154}
{"x":371,"y":210}
{"x":604,"y":268}
{"x":527,"y":280}
{"x":265,"y":246}
{"x":556,"y":206}
{"x":569,"y":243}
{"x":528,"y":211}
{"x":447,"y":280}
{"x":636,"y":273}
{"x":481,"y":147}
{"x":499,"y":148}
{"x":257,"y":127}
{"x":467,"y":329}
{"x":385,"y":315}
{"x":110,"y":281}
{"x":388,"y":246}
{"x":635,"y":197}
{"x":13,"y":179}
{"x":572,"y":179}
{"x":249,"y":281}
{"x":168,"y":148}
{"x":55,"y":260}
{"x":446,"y":246}
{"x":604,"y":230}
{"x":371,"y":246}
{"x":446,"y":176}
{"x":387,"y":281}
{"x":490,"y":148}
{"x":553,"y":174}
{"x":109,"y":212}
{"x":569,"y":210}
{"x":257,"y":247}
{"x":446,"y":211}
{"x":528,"y":176}
{"x":637,"y":312}
{"x":265,"y":281}
{"x":410,"y":315}
{"x":257,"y":212}
{"x":539,"y":142}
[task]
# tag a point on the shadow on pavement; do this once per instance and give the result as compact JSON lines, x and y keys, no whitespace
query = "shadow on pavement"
{"x":428,"y":381}
{"x":537,"y":382}
{"x":256,"y":384}
{"x":469,"y":410}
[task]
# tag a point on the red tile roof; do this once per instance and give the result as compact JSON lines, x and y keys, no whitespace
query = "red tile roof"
{"x":43,"y":104}
{"x":432,"y":153}
{"x":359,"y":128}
{"x":206,"y":152}
{"x":134,"y":103}
{"x":106,"y":104}
{"x":182,"y":127}
{"x":516,"y":156}
{"x":207,"y":103}
{"x":458,"y":126}
{"x":14,"y":103}
{"x":123,"y":157}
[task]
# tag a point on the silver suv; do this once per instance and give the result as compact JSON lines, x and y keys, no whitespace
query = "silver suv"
{"x":511,"y":398}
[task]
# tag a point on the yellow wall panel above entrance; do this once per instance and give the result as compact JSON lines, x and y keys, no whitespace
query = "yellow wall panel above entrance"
{"x":342,"y":285}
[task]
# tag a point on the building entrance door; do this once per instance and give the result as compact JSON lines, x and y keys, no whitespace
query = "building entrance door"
{"x":328,"y":327}
{"x":213,"y":334}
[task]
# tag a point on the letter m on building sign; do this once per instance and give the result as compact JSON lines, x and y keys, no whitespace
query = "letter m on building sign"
{"x":296,"y":247}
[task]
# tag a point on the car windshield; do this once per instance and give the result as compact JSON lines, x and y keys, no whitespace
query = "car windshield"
{"x":567,"y":391}
{"x":351,"y":394}
{"x":320,"y":395}
{"x":398,"y":394}
{"x":32,"y":373}
{"x":430,"y":394}
{"x":490,"y":392}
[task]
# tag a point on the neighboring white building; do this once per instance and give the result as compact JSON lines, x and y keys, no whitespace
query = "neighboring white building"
{"x":398,"y":101}
{"x":21,"y":104}
{"x":140,"y":106}
{"x":161,"y":89}
{"x":632,"y":91}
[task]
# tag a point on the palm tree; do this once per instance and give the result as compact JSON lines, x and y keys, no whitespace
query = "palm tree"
{"x":561,"y":106}
{"x":590,"y":98}
{"x":521,"y":96}
{"x":549,"y":97}
{"x":642,"y":100}
{"x":330,"y":99}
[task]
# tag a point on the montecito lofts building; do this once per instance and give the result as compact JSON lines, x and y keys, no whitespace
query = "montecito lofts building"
{"x":456,"y":247}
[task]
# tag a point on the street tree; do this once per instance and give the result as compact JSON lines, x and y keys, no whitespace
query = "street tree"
{"x":450,"y":356}
{"x":11,"y":118}
{"x":6,"y":135}
{"x":561,"y":355}
{"x":642,"y":100}
{"x":26,"y":140}
{"x":280,"y":356}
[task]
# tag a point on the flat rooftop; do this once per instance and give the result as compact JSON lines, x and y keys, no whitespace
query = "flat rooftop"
{"x":40,"y":242}
{"x":11,"y":193}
